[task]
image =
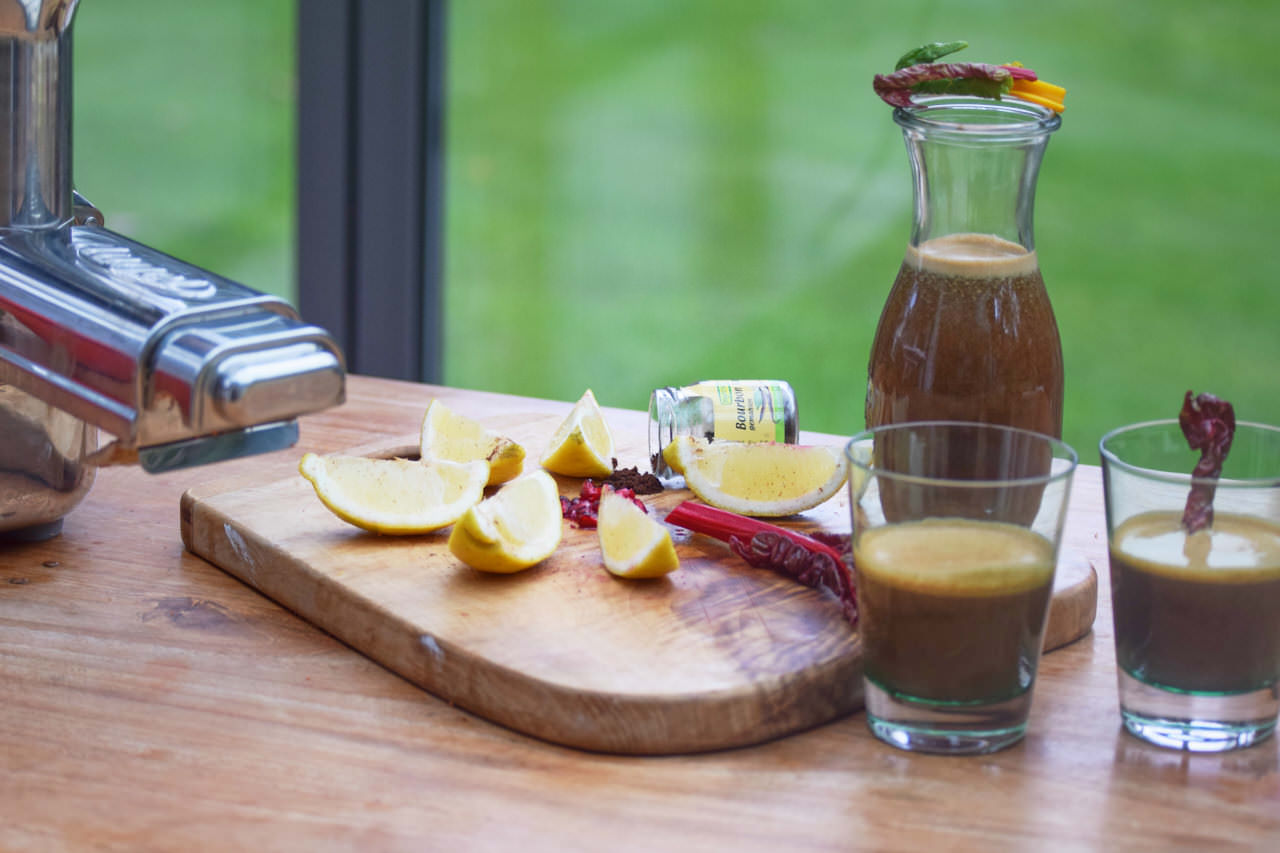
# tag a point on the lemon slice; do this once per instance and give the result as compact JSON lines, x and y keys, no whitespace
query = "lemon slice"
{"x":633,"y":544}
{"x":397,"y":496}
{"x":514,"y":529}
{"x":582,"y":445}
{"x":453,"y":437}
{"x":761,"y":479}
{"x":671,"y":456}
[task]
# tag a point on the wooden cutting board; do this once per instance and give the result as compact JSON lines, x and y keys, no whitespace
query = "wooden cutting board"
{"x":715,"y":655}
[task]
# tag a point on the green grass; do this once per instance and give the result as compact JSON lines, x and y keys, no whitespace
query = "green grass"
{"x":648,"y":193}
{"x":183,"y":129}
{"x":651,"y":193}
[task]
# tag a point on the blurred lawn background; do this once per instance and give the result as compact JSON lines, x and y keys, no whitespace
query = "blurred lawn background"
{"x":183,"y":129}
{"x":650,"y":193}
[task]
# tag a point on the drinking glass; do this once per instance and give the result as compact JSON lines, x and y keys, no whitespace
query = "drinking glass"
{"x":1196,"y":615}
{"x":956,"y":528}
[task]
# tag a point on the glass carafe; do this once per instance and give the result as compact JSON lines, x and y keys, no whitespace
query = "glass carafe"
{"x":967,"y":333}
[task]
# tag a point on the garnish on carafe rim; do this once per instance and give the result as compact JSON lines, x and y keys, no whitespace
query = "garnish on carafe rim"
{"x":1209,"y":425}
{"x":918,"y":73}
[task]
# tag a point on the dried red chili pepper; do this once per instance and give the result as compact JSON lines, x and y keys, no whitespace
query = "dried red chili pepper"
{"x":815,"y":569}
{"x":812,"y":561}
{"x":1209,"y":425}
{"x":953,"y":78}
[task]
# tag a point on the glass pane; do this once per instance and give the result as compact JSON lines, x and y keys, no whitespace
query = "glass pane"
{"x":650,"y":193}
{"x":184,"y":116}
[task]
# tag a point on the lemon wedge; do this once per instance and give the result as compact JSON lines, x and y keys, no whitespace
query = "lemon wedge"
{"x":396,"y":496}
{"x":633,"y":544}
{"x":671,"y":455}
{"x":513,"y":530}
{"x":582,"y":445}
{"x":762,"y":479}
{"x":455,"y":438}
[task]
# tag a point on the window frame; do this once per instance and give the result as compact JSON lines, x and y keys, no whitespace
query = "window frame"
{"x":370,"y":168}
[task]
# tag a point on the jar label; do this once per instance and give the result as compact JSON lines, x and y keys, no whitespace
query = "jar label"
{"x":746,"y":411}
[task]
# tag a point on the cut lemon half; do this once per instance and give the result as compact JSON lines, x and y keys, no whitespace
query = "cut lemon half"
{"x":396,"y":496}
{"x":582,"y":445}
{"x":633,"y":544}
{"x":761,"y":479}
{"x":456,"y":438}
{"x":513,"y":530}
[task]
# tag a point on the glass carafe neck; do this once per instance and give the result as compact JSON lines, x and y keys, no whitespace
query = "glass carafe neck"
{"x":974,"y":164}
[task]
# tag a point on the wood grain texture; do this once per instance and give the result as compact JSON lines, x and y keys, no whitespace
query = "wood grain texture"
{"x":151,"y":701}
{"x":705,"y":658}
{"x":714,"y":655}
{"x":1074,"y":605}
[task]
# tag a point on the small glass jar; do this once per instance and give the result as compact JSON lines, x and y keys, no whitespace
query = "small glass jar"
{"x":721,"y":410}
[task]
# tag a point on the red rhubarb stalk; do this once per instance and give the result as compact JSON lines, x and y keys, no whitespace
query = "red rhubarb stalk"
{"x":722,"y":524}
{"x":795,"y":555}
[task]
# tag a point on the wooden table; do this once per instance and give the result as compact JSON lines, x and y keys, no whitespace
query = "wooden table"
{"x":151,"y":701}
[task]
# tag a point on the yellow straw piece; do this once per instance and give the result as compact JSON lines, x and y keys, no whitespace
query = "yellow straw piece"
{"x":1036,"y":99}
{"x":1040,"y":92}
{"x":1042,"y":88}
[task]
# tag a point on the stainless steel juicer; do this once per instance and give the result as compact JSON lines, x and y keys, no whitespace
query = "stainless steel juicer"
{"x":173,"y":365}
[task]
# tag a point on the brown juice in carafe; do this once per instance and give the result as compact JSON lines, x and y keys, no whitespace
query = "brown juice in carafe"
{"x":967,"y":334}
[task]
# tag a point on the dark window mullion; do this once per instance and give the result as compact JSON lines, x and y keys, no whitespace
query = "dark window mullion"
{"x":324,"y":167}
{"x":370,"y":180}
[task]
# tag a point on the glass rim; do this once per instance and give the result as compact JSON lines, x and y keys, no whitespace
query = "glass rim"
{"x":1010,"y":117}
{"x":1110,"y":458}
{"x":1062,"y":451}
